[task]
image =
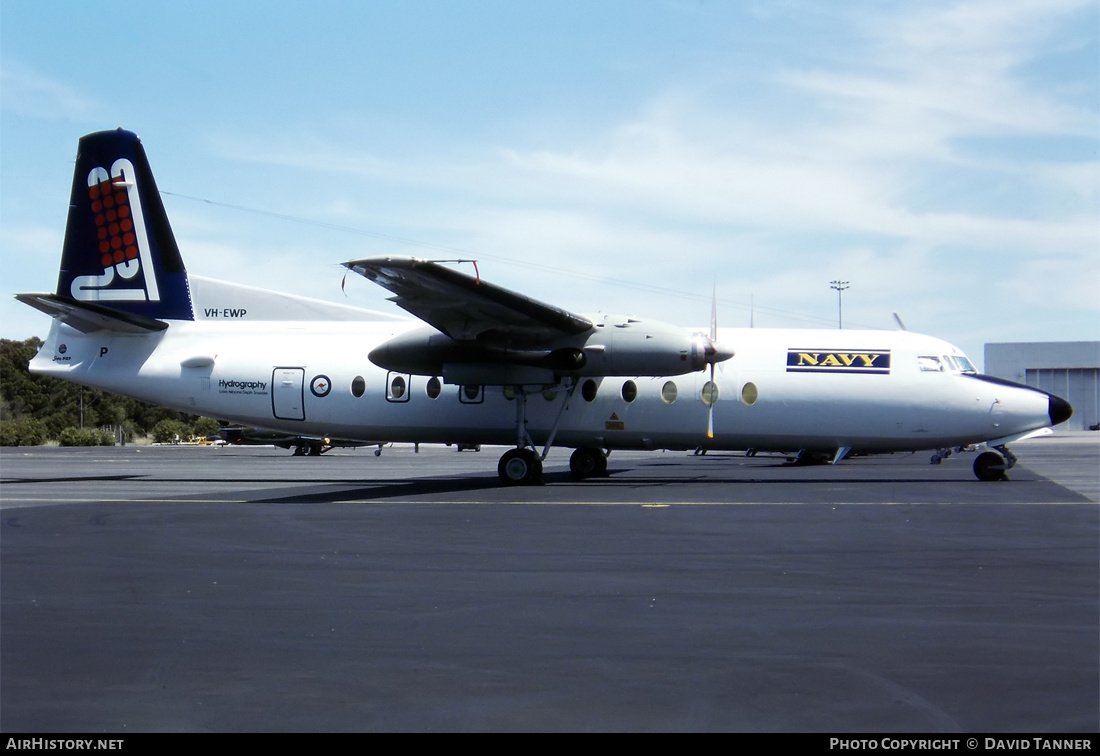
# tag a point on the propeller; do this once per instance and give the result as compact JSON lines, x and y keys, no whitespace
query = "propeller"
{"x":713,"y":401}
{"x":714,"y":354}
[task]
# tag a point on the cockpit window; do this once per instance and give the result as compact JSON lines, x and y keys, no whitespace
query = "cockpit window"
{"x":964,"y":365}
{"x":948,"y":363}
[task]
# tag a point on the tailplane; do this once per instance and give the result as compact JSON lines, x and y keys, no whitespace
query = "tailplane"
{"x":120,"y":253}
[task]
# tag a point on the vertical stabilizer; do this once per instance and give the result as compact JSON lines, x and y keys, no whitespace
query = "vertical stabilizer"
{"x":119,"y":250}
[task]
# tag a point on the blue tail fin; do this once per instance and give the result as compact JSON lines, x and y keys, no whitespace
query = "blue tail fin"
{"x":119,"y":249}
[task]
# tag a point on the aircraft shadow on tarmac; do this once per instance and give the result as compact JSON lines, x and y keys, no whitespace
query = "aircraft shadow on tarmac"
{"x":742,"y":486}
{"x":380,"y":489}
{"x":75,"y":479}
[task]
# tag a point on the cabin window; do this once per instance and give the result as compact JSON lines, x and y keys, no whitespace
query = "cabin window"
{"x":471,"y":394}
{"x":710,"y":393}
{"x":588,"y":390}
{"x":630,"y":391}
{"x":668,"y":392}
{"x":930,"y":364}
{"x":433,"y":387}
{"x":749,"y":394}
{"x":397,"y":387}
{"x":358,"y":386}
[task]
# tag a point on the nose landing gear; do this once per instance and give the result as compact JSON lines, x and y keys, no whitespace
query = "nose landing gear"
{"x":994,"y":464}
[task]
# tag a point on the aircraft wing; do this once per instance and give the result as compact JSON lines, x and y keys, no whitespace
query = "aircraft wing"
{"x":467,"y":308}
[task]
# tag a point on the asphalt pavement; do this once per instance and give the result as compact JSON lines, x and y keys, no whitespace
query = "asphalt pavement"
{"x":242,"y":589}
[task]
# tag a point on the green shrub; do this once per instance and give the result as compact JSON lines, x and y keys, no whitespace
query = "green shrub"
{"x":26,"y":431}
{"x":73,"y":437}
{"x":78,"y":437}
{"x":167,"y":431}
{"x":205,"y":426}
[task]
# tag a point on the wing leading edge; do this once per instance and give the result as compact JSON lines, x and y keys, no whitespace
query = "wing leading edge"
{"x":468,"y":309}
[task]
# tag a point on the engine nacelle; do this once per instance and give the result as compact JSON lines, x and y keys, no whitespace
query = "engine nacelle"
{"x":627,"y":346}
{"x":614,"y":347}
{"x":426,"y":351}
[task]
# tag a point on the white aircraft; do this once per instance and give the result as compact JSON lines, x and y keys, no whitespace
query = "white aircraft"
{"x":490,"y":366}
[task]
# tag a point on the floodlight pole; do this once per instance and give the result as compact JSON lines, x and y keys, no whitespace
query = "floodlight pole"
{"x":840,"y":286}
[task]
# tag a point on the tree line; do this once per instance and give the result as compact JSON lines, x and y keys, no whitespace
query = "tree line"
{"x":38,"y":409}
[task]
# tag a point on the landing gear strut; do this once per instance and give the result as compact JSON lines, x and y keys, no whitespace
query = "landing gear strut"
{"x":523,"y":465}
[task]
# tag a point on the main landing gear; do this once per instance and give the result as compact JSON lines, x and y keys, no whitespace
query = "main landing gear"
{"x":520,"y":467}
{"x":523,"y":465}
{"x":587,"y":462}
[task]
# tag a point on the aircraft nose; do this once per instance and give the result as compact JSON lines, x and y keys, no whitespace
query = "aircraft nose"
{"x":1059,"y":411}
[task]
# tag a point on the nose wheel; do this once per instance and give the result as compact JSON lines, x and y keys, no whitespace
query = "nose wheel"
{"x":994,"y":465}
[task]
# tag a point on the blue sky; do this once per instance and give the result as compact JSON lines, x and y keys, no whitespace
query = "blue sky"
{"x":942,"y":157}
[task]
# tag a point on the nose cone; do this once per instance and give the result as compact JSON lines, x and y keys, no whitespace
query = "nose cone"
{"x":1059,"y":411}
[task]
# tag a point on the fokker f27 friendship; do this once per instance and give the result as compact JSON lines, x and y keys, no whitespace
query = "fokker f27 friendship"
{"x":487,"y":365}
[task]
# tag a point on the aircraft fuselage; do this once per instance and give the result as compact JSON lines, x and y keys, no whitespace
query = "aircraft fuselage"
{"x":785,"y":390}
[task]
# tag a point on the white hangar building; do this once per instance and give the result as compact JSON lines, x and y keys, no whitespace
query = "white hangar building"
{"x":1068,"y":369}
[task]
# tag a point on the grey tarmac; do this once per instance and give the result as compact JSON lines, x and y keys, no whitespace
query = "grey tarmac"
{"x":242,"y":589}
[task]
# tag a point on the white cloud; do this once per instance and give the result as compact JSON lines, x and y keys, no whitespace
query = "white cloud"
{"x":879,"y":138}
{"x":963,"y":62}
{"x":30,"y":93}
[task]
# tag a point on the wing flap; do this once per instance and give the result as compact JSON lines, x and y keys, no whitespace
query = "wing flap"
{"x":467,"y":308}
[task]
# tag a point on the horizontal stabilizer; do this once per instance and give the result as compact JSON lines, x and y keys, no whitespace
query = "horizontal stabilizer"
{"x":87,"y":317}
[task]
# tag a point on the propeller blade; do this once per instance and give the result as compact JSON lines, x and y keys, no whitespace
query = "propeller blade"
{"x":714,"y":313}
{"x":710,"y":409}
{"x":714,"y":351}
{"x":714,"y":355}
